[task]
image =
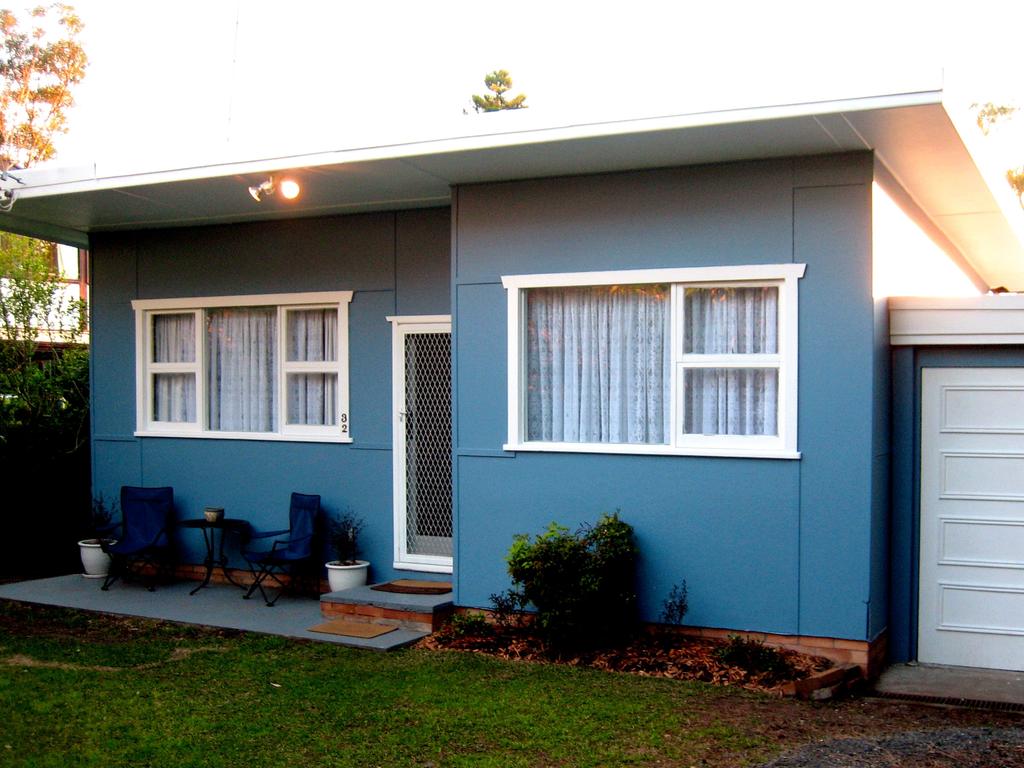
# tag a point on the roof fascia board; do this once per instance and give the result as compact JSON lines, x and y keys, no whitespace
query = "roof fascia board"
{"x":481,"y":141}
{"x":44,"y":231}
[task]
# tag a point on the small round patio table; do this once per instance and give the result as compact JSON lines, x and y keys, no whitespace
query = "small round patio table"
{"x":215,"y":544}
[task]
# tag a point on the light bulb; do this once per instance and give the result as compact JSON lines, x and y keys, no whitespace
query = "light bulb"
{"x":289,"y":189}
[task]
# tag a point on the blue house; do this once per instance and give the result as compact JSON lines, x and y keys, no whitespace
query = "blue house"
{"x":461,"y":339}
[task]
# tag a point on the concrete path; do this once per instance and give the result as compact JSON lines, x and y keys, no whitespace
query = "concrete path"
{"x":213,"y":606}
{"x":953,"y":684}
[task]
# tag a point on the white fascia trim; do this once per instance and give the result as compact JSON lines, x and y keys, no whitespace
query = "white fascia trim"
{"x":741,"y":274}
{"x":86,"y":179}
{"x":250,"y":300}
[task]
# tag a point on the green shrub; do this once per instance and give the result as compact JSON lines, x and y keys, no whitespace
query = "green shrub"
{"x":675,"y":606}
{"x":508,"y":608}
{"x":465,"y":625}
{"x":756,"y":658}
{"x":582,"y":584}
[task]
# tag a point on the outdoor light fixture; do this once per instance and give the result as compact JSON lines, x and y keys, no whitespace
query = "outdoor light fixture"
{"x":7,"y":194}
{"x":289,"y":189}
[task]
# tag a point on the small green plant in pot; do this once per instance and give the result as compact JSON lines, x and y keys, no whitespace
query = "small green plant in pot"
{"x":347,"y":571}
{"x":96,"y":562}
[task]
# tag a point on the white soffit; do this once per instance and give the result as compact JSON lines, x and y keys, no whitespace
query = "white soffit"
{"x":911,"y":134}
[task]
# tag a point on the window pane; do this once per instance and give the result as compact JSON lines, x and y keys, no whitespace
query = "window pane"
{"x":312,"y":335}
{"x":598,"y":365}
{"x":174,"y":397}
{"x":723,"y":321}
{"x":731,"y":401}
{"x":174,"y":338}
{"x":312,"y":398}
{"x":241,"y":348}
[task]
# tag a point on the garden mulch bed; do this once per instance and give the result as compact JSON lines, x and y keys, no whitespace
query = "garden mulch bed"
{"x":652,"y":655}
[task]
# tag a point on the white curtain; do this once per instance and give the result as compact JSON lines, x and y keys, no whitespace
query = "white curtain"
{"x":598,"y":362}
{"x":241,"y":347}
{"x":312,"y":337}
{"x":174,"y":394}
{"x":731,"y":401}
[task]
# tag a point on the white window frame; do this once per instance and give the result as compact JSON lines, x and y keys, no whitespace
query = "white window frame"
{"x":146,"y":309}
{"x":783,"y":276}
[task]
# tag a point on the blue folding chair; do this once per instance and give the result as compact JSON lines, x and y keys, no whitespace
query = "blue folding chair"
{"x":293,"y":555}
{"x":147,"y":516}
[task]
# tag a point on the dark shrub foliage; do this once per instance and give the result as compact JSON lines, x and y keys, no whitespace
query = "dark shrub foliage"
{"x":674,"y":609}
{"x":508,"y":608}
{"x":465,"y":625}
{"x":582,"y":584}
{"x":756,"y":658}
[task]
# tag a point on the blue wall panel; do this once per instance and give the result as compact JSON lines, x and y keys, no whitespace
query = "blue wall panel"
{"x":779,"y":546}
{"x":832,"y":236}
{"x":112,"y":338}
{"x":482,"y":363}
{"x":880,"y":473}
{"x":252,"y":478}
{"x":370,"y":367}
{"x":732,"y":214}
{"x":423,"y":248}
{"x":728,"y":527}
{"x":335,"y":253}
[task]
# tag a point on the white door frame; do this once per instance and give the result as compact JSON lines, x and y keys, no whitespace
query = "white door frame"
{"x":402,"y":326}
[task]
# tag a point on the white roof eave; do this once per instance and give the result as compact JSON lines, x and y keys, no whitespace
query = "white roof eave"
{"x":911,"y":134}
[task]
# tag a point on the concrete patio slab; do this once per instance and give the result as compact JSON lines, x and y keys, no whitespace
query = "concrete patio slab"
{"x":213,"y":606}
{"x":952,"y":685}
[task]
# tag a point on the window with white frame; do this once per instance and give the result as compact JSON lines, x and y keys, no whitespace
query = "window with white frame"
{"x":693,"y":361}
{"x":250,"y":367}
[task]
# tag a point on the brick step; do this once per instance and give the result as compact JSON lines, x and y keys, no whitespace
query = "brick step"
{"x":421,"y":613}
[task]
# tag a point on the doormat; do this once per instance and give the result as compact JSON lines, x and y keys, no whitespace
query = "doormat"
{"x":414,"y":587}
{"x":352,"y":628}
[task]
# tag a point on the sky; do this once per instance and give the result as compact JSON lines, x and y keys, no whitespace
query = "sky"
{"x":191,"y":78}
{"x":182,"y":84}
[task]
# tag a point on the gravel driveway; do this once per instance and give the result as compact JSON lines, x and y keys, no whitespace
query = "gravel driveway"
{"x":959,"y":748}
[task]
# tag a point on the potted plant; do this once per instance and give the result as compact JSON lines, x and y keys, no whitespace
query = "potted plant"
{"x":96,"y":562}
{"x":347,"y":571}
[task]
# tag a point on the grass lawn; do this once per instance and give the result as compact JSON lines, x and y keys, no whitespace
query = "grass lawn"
{"x":80,"y":689}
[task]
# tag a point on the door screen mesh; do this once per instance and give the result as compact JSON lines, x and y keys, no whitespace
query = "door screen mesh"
{"x":428,"y":444}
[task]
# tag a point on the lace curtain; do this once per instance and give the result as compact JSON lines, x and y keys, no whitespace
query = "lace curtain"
{"x":727,"y":321}
{"x":598,"y":362}
{"x":174,"y":394}
{"x":241,"y":347}
{"x":312,"y":337}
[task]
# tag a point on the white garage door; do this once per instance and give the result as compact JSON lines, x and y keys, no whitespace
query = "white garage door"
{"x":972,"y":518}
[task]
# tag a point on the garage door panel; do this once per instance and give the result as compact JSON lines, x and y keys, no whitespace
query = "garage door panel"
{"x":971,"y":607}
{"x":986,"y":408}
{"x":982,"y":609}
{"x":983,"y":476}
{"x":981,"y":543}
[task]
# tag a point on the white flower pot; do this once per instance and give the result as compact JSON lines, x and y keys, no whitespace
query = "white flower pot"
{"x":95,"y":561}
{"x":346,"y":576}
